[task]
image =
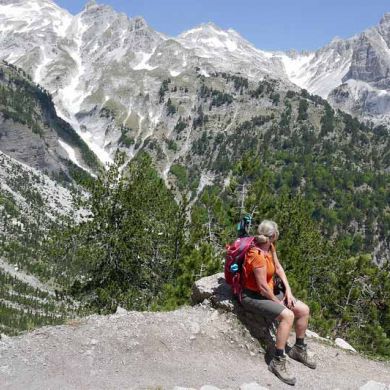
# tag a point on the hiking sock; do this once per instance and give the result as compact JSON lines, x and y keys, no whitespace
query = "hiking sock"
{"x":300,"y":342}
{"x":279,"y":352}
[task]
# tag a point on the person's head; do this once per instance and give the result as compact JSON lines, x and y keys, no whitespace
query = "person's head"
{"x":267,"y":232}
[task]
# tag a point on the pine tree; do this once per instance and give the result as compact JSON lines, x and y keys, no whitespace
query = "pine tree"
{"x":128,"y":249}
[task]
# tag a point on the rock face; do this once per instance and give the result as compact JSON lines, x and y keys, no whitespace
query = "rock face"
{"x":30,"y":130}
{"x":215,"y":290}
{"x":371,"y":56}
{"x":365,"y":88}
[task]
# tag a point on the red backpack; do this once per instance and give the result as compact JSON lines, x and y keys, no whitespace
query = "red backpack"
{"x":235,"y":256}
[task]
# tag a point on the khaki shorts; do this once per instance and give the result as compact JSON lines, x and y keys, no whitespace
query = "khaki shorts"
{"x":257,"y":304}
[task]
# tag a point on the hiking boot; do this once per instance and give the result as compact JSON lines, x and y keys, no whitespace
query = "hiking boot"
{"x":300,"y":354}
{"x":278,"y":366}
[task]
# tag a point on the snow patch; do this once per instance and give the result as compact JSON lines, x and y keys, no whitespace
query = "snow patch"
{"x":34,"y":16}
{"x":143,"y":59}
{"x":174,"y":73}
{"x":38,"y":77}
{"x":71,"y":153}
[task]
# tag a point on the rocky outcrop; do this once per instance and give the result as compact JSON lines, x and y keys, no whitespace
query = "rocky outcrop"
{"x":215,"y":290}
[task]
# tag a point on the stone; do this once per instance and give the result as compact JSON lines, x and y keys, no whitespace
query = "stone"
{"x":195,"y":328}
{"x":344,"y":345}
{"x":120,"y":310}
{"x":209,"y":387}
{"x":215,"y":289}
{"x":252,"y":386}
{"x":373,"y":385}
{"x":183,"y":388}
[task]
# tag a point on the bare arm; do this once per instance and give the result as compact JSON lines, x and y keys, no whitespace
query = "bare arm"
{"x":289,"y":299}
{"x":280,"y":271}
{"x":261,"y":280}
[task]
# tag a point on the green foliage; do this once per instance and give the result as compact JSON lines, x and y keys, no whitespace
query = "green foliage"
{"x":290,"y":94}
{"x":200,"y":120}
{"x":171,"y":109}
{"x":201,"y":145}
{"x":125,"y":139}
{"x":23,"y":307}
{"x":200,"y":262}
{"x":163,"y":89}
{"x":128,"y":248}
{"x":348,"y":296}
{"x":181,"y":174}
{"x":286,"y":117}
{"x":302,"y":109}
{"x":239,"y":83}
{"x":180,"y":126}
{"x":275,"y":97}
{"x":265,"y":87}
{"x":357,"y":296}
{"x":172,"y":145}
{"x":327,"y":120}
{"x":218,"y":98}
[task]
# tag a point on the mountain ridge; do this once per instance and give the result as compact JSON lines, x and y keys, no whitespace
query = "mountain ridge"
{"x":81,"y":64}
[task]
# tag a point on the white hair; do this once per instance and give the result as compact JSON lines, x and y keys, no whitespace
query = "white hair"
{"x":266,"y":230}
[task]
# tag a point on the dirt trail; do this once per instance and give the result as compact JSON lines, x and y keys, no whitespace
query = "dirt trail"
{"x":191,"y":347}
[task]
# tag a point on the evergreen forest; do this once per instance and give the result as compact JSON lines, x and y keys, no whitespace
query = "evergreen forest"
{"x":142,"y":250}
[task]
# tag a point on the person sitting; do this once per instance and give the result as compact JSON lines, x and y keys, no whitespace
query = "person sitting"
{"x":260,"y":266}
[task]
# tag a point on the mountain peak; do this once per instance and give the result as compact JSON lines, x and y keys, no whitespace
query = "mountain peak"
{"x":91,"y":4}
{"x":206,"y":29}
{"x":384,"y":24}
{"x":385,"y":17}
{"x":139,"y":22}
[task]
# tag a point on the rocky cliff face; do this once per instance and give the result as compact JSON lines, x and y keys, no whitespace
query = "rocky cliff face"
{"x":30,"y":130}
{"x":365,"y":87}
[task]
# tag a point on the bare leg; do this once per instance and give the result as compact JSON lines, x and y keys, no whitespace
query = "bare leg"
{"x":286,"y":320}
{"x":302,"y":313}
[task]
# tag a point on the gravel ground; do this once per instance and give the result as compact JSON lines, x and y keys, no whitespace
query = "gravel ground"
{"x":191,"y":347}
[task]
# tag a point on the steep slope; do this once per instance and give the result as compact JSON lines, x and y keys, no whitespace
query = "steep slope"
{"x":85,"y":62}
{"x":30,"y":130}
{"x":321,"y":71}
{"x":30,"y":204}
{"x":82,"y":68}
{"x":100,"y":62}
{"x":190,"y":348}
{"x":352,"y":73}
{"x":365,"y":88}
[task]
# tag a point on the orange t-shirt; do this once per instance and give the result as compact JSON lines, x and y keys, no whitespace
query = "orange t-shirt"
{"x":255,"y":258}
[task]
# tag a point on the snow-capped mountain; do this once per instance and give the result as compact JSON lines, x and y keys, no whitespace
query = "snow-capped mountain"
{"x":101,"y":59}
{"x":319,"y":72}
{"x":228,"y":51}
{"x":105,"y":70}
{"x":366,"y":86}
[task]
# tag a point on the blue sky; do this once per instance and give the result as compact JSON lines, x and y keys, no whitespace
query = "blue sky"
{"x":268,"y":24}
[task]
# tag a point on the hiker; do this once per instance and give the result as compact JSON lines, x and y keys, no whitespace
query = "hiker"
{"x":260,"y":266}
